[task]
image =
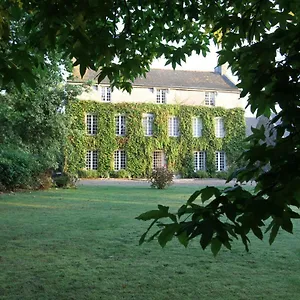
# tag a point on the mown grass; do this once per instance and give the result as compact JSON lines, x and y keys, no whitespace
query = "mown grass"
{"x":83,"y":244}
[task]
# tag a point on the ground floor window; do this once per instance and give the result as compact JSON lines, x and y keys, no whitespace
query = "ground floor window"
{"x":199,"y":161}
{"x":220,"y":161}
{"x":158,"y":159}
{"x":91,"y":162}
{"x":119,"y":160}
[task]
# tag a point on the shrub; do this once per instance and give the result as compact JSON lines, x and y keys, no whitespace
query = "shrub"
{"x":65,"y":180}
{"x":221,"y":175}
{"x":88,"y":174}
{"x":201,"y":174}
{"x":44,"y":181}
{"x":161,"y":178}
{"x":123,"y":174}
{"x":120,"y":174}
{"x":18,"y":168}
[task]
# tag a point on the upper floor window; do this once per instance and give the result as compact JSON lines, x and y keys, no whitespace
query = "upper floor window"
{"x":91,"y":161}
{"x":106,"y":93}
{"x":173,"y":126}
{"x":219,"y":127}
{"x":161,"y":96}
{"x":158,"y":159}
{"x":220,"y":161}
{"x":91,"y":124}
{"x":210,"y":98}
{"x":119,"y":160}
{"x":120,"y":125}
{"x":148,"y":124}
{"x":199,"y":161}
{"x":197,"y":127}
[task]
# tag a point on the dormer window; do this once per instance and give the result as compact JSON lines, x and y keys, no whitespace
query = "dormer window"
{"x":161,"y":96}
{"x":210,"y":98}
{"x":106,"y":94}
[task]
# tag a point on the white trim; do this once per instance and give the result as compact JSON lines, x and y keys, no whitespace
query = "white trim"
{"x":119,"y":160}
{"x":173,"y":126}
{"x":91,"y":123}
{"x":147,"y":123}
{"x":120,"y":125}
{"x":220,"y":161}
{"x":91,"y":160}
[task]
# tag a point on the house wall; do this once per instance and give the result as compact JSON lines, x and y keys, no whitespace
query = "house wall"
{"x":139,"y":147}
{"x":226,"y":99}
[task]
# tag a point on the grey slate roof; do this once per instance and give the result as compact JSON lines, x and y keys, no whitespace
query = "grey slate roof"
{"x":174,"y":79}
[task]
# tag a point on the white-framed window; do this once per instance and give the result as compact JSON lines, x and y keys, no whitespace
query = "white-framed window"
{"x":220,"y":161}
{"x":199,"y":160}
{"x":106,"y":94}
{"x":210,"y":98}
{"x":119,"y":160}
{"x":219,"y":128}
{"x":161,"y":96}
{"x":91,"y":122}
{"x":197,"y":127}
{"x":120,"y":123}
{"x":91,"y":160}
{"x":173,"y":126}
{"x":148,"y":124}
{"x":158,"y":159}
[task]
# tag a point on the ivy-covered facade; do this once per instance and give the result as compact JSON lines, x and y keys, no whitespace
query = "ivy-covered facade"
{"x":137,"y":137}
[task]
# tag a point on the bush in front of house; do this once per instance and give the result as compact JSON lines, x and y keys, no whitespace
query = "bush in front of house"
{"x":120,"y":174}
{"x":161,"y":178}
{"x":201,"y":174}
{"x":221,"y":175}
{"x":65,"y":180}
{"x":88,"y":174}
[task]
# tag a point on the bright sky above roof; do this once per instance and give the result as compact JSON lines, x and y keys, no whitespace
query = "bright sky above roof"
{"x":194,"y":62}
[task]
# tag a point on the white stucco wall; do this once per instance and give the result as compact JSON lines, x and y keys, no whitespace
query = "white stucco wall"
{"x":226,"y":99}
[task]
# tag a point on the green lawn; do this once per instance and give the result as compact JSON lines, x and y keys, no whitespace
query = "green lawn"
{"x":83,"y":244}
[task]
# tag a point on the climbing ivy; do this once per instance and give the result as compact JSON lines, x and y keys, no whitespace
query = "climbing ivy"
{"x":139,"y":148}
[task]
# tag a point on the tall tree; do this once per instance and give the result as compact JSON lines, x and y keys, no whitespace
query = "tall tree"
{"x":260,"y":41}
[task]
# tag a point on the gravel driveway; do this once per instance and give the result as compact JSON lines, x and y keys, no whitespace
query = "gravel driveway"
{"x":142,"y":182}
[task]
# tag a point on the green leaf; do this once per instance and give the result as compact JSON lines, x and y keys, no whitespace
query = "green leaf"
{"x":207,"y":234}
{"x":257,"y":231}
{"x":273,"y":233}
{"x":287,"y":225}
{"x":142,"y":238}
{"x":167,"y":234}
{"x":194,"y":196}
{"x":101,"y":76}
{"x":163,"y":208}
{"x":209,"y":192}
{"x":153,"y":214}
{"x":181,"y":211}
{"x":183,"y":239}
{"x":245,"y":241}
{"x":82,"y":70}
{"x":216,"y":245}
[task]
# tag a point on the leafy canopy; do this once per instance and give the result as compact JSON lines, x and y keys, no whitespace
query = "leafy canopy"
{"x":260,"y":41}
